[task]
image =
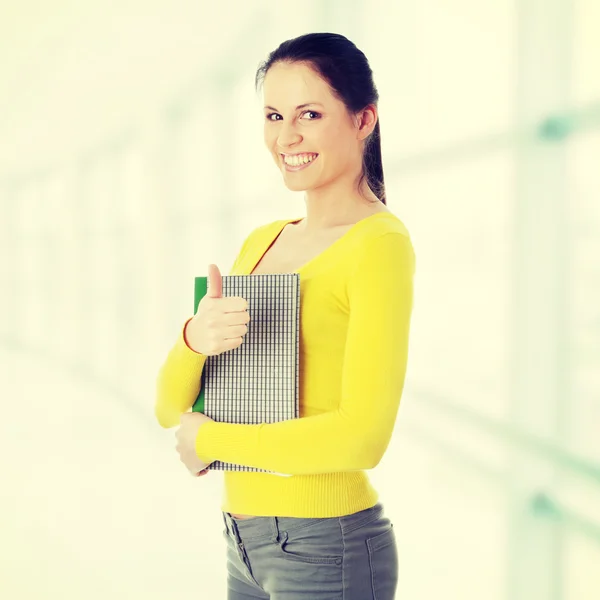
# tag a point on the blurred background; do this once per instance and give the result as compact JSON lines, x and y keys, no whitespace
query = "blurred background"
{"x":131,"y":157}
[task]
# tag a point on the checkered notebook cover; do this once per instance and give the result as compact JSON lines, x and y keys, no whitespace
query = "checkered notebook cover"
{"x":256,"y":382}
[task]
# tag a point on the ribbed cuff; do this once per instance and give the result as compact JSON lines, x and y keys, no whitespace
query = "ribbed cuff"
{"x":228,"y":442}
{"x":187,"y":359}
{"x":203,"y":442}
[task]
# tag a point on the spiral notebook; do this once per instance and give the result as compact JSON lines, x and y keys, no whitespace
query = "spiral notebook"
{"x":256,"y":382}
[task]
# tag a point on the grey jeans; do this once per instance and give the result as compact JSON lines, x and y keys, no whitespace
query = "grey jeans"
{"x":353,"y":557}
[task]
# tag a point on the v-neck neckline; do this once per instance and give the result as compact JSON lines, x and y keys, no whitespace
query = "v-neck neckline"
{"x":328,"y":250}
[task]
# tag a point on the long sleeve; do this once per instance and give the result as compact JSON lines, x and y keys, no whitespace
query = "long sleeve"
{"x":356,"y":434}
{"x":179,"y":378}
{"x":178,"y":382}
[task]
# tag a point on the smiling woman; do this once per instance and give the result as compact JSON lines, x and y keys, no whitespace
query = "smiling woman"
{"x":324,"y":126}
{"x":356,"y":265}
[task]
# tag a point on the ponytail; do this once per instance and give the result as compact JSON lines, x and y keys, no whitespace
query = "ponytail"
{"x":372,"y":165}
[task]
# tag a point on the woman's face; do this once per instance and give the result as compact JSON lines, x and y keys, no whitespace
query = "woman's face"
{"x":308,"y":131}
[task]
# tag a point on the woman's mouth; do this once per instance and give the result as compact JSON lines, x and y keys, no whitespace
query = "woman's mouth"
{"x":297,"y":162}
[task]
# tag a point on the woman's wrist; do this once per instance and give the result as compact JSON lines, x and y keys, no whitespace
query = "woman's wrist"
{"x":188,"y":337}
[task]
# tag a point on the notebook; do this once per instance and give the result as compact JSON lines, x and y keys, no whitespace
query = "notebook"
{"x":256,"y":382}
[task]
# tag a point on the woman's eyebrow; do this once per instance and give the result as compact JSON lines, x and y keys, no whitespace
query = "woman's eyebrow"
{"x":299,"y":106}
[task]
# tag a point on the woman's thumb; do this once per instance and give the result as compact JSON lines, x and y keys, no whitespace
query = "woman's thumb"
{"x":215,"y":282}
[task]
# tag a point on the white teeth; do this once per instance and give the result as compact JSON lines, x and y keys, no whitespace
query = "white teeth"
{"x":294,"y":161}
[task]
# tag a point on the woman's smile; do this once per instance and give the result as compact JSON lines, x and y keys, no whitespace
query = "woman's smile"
{"x":298,"y":162}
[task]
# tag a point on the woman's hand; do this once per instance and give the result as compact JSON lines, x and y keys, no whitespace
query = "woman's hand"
{"x":220,"y":323}
{"x":186,"y":436}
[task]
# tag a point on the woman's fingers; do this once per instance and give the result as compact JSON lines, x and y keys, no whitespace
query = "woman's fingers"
{"x":236,"y":332}
{"x":240,"y":317}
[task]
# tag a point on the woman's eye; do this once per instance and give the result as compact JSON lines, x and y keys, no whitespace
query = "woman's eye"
{"x":316,"y":115}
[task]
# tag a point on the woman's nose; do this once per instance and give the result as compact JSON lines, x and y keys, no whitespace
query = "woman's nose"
{"x":288,"y":136}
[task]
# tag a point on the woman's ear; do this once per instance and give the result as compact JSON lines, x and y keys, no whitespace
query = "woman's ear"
{"x":367,"y":121}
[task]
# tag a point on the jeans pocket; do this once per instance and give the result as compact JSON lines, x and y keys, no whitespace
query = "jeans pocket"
{"x":319,"y":543}
{"x":383,"y":563}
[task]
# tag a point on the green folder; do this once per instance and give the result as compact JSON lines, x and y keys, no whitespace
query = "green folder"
{"x":200,"y":289}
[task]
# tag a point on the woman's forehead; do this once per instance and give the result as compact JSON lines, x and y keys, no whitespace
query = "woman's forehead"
{"x":298,"y":76}
{"x":294,"y":82}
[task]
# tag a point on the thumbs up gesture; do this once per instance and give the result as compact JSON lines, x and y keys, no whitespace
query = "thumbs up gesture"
{"x":219,"y":324}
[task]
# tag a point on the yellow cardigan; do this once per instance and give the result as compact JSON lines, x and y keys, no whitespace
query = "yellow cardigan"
{"x":356,"y":303}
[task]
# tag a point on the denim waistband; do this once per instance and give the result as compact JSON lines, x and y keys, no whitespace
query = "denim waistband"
{"x":261,"y":527}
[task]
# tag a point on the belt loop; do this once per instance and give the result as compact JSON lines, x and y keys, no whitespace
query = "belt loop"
{"x":225,"y":521}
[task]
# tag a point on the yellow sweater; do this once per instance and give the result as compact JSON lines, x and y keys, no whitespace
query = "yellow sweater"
{"x":356,"y":302}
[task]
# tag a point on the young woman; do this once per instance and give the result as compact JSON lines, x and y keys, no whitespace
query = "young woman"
{"x":320,"y":533}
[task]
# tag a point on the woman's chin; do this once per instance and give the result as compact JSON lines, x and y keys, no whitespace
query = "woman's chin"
{"x":294,"y":186}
